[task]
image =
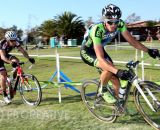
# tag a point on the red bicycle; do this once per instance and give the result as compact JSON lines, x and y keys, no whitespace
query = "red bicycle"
{"x":26,"y":84}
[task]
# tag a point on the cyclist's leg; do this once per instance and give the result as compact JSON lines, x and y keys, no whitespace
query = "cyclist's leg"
{"x":107,"y":76}
{"x":104,"y":78}
{"x":116,"y":84}
{"x":114,"y":79}
{"x":89,"y":57}
{"x":3,"y":79}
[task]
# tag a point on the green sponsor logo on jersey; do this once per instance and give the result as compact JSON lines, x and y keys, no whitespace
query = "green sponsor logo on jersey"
{"x":98,"y":32}
{"x":88,"y":58}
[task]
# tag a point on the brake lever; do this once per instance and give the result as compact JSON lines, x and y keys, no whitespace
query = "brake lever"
{"x":13,"y":70}
{"x":158,"y":57}
{"x":30,"y":67}
{"x":135,"y":64}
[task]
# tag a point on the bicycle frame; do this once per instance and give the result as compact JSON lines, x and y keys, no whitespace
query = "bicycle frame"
{"x":136,"y":82}
{"x":19,"y":75}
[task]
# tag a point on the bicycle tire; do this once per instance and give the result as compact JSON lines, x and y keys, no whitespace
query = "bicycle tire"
{"x":150,"y":117}
{"x":97,"y":106}
{"x":30,"y":90}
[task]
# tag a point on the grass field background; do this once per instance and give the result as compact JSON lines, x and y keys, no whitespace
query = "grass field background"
{"x":71,"y":114}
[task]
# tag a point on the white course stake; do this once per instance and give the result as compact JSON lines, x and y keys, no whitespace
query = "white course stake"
{"x":142,"y":55}
{"x":58,"y":75}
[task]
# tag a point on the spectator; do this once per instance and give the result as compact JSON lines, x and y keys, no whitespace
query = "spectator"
{"x":158,"y":33}
{"x":62,"y":40}
{"x":65,"y":40}
{"x":149,"y":37}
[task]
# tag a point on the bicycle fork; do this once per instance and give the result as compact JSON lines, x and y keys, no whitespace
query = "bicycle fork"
{"x":136,"y":83}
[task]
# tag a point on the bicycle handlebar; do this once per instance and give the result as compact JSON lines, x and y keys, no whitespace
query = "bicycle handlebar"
{"x":19,"y":64}
{"x":22,"y":63}
{"x":158,"y":56}
{"x":132,"y":64}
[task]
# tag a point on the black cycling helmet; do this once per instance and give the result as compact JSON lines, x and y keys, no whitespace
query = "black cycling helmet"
{"x":111,"y":11}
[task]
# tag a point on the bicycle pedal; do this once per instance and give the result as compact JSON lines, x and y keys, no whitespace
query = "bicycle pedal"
{"x":99,"y":99}
{"x":120,"y":109}
{"x":99,"y":95}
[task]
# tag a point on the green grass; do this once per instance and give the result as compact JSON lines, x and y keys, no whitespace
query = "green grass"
{"x":71,"y":114}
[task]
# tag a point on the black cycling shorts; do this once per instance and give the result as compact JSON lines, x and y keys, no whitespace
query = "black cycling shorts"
{"x":88,"y":55}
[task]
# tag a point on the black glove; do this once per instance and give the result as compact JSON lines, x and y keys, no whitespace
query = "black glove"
{"x":123,"y":74}
{"x":32,"y":60}
{"x":14,"y":64}
{"x":153,"y":53}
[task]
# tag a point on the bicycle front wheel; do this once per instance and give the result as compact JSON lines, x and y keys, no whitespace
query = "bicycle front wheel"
{"x":30,"y":90}
{"x":96,"y":105}
{"x":148,"y":114}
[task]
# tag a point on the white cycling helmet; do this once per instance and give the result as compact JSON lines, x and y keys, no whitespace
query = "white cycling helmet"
{"x":111,"y":11}
{"x":10,"y":35}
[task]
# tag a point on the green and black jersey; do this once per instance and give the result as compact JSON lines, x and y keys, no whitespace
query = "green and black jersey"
{"x":97,"y":34}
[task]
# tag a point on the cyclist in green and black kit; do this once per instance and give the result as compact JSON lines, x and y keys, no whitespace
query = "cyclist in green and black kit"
{"x":93,"y":53}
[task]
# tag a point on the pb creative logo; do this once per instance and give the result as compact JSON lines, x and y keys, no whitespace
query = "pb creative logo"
{"x":34,"y":114}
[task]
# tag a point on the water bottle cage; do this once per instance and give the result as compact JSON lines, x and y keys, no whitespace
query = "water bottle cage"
{"x":122,"y":92}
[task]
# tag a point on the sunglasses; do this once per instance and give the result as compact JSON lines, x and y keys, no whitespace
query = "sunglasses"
{"x":12,"y":40}
{"x":111,"y":22}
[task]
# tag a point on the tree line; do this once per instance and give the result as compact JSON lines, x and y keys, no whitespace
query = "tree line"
{"x":67,"y":24}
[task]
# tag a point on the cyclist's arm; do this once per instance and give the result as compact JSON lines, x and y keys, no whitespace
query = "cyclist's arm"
{"x":3,"y":57}
{"x":25,"y":54}
{"x":132,"y":41}
{"x":102,"y":61}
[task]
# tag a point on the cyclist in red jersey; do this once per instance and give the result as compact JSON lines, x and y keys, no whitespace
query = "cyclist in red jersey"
{"x":6,"y":45}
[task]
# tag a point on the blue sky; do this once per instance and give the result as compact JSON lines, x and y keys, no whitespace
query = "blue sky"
{"x":31,"y":13}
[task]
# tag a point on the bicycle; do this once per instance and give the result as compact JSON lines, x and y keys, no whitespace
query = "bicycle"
{"x":27,"y":85}
{"x":146,"y":97}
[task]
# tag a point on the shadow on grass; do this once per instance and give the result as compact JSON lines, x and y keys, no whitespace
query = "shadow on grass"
{"x":64,"y":60}
{"x":55,"y":100}
{"x":132,"y":115}
{"x":136,"y":119}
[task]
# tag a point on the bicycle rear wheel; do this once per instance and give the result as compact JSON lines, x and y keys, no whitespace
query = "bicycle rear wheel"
{"x":96,"y":105}
{"x":149,"y":115}
{"x":30,"y":90}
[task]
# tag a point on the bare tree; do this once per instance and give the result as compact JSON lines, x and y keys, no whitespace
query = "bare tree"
{"x":132,"y":18}
{"x":88,"y":22}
